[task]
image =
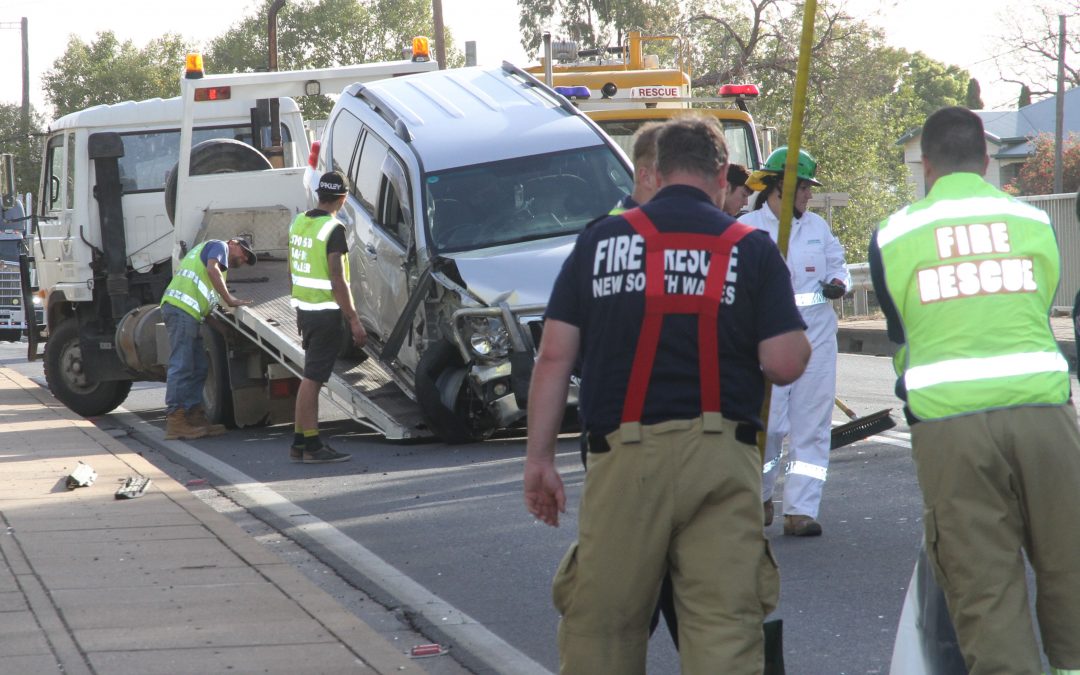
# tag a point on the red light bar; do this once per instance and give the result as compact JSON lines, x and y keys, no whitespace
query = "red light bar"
{"x":738,"y":90}
{"x":213,"y":93}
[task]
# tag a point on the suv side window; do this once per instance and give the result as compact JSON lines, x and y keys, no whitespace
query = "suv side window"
{"x":394,"y":213}
{"x":368,"y":174}
{"x":345,"y":136}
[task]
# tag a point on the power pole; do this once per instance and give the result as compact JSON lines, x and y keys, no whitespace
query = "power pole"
{"x":440,"y":37}
{"x":25,"y":122}
{"x":1059,"y":125}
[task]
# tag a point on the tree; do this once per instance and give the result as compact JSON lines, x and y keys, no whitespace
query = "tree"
{"x":325,"y":33}
{"x":973,"y":99}
{"x":1025,"y":97}
{"x":1032,"y":32}
{"x":1036,"y":177}
{"x":110,"y":71}
{"x":26,"y":149}
{"x":593,"y":23}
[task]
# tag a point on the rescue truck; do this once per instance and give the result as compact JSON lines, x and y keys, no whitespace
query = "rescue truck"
{"x":452,"y":314}
{"x":648,"y":79}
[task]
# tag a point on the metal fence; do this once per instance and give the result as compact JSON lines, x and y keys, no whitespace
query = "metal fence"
{"x":1062,"y":209}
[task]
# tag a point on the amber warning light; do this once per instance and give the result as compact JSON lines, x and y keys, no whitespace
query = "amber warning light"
{"x":213,"y":93}
{"x":193,"y":67}
{"x":420,"y":51}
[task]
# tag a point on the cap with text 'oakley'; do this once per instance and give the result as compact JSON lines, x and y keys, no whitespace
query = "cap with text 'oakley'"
{"x":332,"y":184}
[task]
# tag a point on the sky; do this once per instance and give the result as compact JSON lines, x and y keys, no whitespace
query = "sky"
{"x":960,"y":33}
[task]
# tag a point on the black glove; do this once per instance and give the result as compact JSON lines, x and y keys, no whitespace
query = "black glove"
{"x":832,"y":291}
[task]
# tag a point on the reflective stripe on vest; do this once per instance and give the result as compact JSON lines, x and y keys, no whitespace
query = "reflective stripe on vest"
{"x":973,"y":273}
{"x":308,"y":264}
{"x":191,"y":289}
{"x":658,"y":303}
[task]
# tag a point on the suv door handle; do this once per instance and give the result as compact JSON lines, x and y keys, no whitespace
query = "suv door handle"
{"x":370,"y":249}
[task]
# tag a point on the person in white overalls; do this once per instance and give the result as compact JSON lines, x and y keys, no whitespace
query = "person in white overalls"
{"x":802,"y":411}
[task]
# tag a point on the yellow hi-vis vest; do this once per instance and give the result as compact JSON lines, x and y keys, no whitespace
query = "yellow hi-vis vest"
{"x":191,"y":289}
{"x":973,"y":273}
{"x":308,"y":263}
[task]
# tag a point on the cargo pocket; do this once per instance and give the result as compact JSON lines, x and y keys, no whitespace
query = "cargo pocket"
{"x":562,"y":588}
{"x":768,"y":580}
{"x":933,"y":549}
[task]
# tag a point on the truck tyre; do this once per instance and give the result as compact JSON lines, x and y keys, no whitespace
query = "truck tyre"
{"x":217,"y":391}
{"x":441,"y":368}
{"x":217,"y":155}
{"x":66,"y":377}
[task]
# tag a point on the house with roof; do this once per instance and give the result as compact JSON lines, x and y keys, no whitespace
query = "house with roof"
{"x":1009,"y":138}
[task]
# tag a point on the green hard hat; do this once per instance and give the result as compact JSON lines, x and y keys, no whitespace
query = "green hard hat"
{"x":775,"y":164}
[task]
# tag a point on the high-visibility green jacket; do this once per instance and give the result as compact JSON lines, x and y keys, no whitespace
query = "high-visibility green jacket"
{"x":308,"y":263}
{"x":973,"y":272}
{"x":191,"y":289}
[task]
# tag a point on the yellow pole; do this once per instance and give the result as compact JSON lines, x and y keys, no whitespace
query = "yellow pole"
{"x":787,"y":199}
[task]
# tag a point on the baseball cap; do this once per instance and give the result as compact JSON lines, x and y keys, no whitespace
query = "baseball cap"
{"x":246,"y":245}
{"x":332,"y":183}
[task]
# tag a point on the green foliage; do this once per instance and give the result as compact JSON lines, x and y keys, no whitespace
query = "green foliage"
{"x":325,"y":33}
{"x":1025,"y":97}
{"x":109,"y":71}
{"x":593,"y":23}
{"x":973,"y":99}
{"x":1036,"y":177}
{"x":25,"y":147}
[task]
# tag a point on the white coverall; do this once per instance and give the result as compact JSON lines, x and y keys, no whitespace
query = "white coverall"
{"x":803,"y":409}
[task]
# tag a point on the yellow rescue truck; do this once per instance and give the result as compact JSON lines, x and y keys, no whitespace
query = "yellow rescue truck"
{"x":648,"y":78}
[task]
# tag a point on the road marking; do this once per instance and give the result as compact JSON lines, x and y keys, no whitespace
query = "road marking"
{"x":466,"y":634}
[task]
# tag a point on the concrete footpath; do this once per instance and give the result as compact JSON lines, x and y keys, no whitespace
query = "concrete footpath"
{"x":158,"y":584}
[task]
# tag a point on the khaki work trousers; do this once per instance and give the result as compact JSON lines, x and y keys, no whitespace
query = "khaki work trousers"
{"x":996,"y":484}
{"x":683,"y":500}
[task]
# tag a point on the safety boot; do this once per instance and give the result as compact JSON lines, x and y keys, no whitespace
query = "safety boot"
{"x":197,"y":417}
{"x":801,"y":526}
{"x":177,"y":426}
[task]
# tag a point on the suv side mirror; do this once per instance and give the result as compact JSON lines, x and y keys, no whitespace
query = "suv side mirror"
{"x":7,"y":179}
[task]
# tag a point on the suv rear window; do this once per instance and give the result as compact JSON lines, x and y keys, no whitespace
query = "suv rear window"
{"x":523,"y":198}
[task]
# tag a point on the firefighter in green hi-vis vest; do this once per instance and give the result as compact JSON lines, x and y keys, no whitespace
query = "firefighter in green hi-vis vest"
{"x":198,"y":285}
{"x":319,"y":266}
{"x":965,"y":278}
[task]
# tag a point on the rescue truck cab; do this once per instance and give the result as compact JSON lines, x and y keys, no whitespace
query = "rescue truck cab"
{"x":648,"y":79}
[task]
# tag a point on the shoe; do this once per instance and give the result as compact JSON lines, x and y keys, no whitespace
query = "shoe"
{"x":296,"y":453}
{"x":177,"y":426}
{"x":801,"y":526}
{"x":324,"y":455}
{"x":768,"y":513}
{"x":197,"y":417}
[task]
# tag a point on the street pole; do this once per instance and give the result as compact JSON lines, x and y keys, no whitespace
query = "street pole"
{"x":1059,"y":124}
{"x":440,"y":38}
{"x":25,"y":80}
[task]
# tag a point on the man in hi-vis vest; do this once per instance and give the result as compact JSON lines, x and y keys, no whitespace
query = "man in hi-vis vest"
{"x":320,"y":293}
{"x":194,"y":290}
{"x":965,"y":278}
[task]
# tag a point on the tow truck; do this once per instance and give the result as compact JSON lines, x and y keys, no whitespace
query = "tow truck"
{"x":648,"y":79}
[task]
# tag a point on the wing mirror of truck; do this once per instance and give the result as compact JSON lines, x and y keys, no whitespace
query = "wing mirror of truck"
{"x":7,"y":178}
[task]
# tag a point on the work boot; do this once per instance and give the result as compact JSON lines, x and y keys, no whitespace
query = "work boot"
{"x":177,"y":426}
{"x":768,"y":513}
{"x":296,"y":453}
{"x":801,"y":526}
{"x":197,"y":417}
{"x":324,"y":454}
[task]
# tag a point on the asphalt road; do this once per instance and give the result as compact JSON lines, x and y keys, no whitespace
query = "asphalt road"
{"x":450,"y":521}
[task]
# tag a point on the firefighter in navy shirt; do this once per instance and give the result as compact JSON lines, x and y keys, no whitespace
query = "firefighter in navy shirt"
{"x":674,"y":475}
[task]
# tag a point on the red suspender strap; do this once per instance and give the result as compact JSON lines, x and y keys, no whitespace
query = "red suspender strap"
{"x":658,"y":303}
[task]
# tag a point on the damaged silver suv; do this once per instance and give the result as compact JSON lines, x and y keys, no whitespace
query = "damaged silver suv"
{"x":468,"y":189}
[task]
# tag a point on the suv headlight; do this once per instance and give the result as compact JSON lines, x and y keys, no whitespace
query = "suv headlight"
{"x":487,"y":337}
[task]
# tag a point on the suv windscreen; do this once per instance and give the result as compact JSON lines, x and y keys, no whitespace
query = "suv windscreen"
{"x":736,"y":136}
{"x":523,"y":198}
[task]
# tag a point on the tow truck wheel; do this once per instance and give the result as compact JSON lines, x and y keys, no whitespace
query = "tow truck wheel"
{"x":447,"y":403}
{"x":217,"y":392}
{"x":67,"y":379}
{"x":217,"y":155}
